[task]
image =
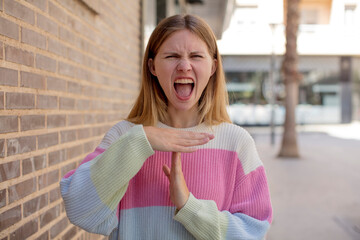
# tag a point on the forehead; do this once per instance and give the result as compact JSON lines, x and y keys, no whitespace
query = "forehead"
{"x":183,"y":40}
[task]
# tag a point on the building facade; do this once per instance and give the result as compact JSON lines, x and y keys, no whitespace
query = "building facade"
{"x":329,"y":57}
{"x":69,"y":70}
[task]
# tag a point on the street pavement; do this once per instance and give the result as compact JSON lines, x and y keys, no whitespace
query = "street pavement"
{"x":317,"y":196}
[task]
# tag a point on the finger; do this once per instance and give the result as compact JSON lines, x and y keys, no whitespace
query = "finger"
{"x":176,"y":163}
{"x":166,"y":171}
{"x":181,"y":148}
{"x":194,"y":142}
{"x":195,"y":135}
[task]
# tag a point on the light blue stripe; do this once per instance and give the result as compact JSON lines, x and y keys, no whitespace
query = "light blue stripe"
{"x":151,"y":223}
{"x":242,"y":226}
{"x":83,"y":206}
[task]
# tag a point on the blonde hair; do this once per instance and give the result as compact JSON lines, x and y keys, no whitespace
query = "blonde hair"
{"x":151,"y":104}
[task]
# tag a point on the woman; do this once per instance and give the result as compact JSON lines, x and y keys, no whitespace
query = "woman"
{"x":136,"y":185}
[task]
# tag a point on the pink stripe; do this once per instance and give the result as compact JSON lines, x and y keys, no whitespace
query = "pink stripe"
{"x":209,"y":174}
{"x":252,"y":196}
{"x":88,"y":158}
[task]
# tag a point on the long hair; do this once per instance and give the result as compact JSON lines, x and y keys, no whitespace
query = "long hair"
{"x":151,"y":104}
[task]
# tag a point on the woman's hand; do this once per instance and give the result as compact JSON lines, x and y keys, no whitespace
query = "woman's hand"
{"x":171,"y":140}
{"x":179,"y":192}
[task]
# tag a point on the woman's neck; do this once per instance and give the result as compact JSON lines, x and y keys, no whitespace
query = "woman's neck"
{"x":183,"y":119}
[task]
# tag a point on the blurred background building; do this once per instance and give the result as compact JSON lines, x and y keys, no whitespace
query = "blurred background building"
{"x":329,"y":60}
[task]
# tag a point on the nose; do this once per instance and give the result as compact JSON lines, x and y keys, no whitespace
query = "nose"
{"x":184,"y":65}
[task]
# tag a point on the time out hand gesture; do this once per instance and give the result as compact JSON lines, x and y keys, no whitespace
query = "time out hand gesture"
{"x":171,"y":140}
{"x":179,"y":192}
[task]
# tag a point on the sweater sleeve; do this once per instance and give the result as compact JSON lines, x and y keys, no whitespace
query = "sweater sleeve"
{"x":250,"y":214}
{"x":93,"y":191}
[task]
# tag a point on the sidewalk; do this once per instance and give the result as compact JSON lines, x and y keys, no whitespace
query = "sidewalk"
{"x":316,"y":197}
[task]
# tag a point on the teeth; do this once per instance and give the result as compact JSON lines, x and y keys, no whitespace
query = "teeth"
{"x":184,"y":81}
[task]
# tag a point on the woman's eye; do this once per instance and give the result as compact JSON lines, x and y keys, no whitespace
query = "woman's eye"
{"x":197,"y":56}
{"x":171,"y":56}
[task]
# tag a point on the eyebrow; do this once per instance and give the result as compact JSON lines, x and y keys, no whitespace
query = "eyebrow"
{"x":194,"y":52}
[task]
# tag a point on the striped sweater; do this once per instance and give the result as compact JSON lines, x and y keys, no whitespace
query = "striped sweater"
{"x":121,"y":191}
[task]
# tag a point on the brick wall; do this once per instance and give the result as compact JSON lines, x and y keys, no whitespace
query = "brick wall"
{"x":69,"y":70}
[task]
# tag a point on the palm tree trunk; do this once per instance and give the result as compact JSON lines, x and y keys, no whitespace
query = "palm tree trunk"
{"x":289,"y":146}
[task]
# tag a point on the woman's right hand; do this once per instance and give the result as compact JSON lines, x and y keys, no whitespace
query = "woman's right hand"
{"x":171,"y":140}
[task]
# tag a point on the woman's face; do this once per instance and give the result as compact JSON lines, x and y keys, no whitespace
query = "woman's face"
{"x":183,"y":67}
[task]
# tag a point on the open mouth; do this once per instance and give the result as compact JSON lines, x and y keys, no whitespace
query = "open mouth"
{"x":184,"y":87}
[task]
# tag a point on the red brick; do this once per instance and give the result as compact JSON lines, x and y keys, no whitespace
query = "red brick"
{"x":20,"y":145}
{"x":89,"y":91}
{"x":8,"y":124}
{"x":73,"y":152}
{"x":57,"y":157}
{"x":56,"y":84}
{"x":35,"y":205}
{"x":75,"y":119}
{"x":2,"y":198}
{"x":84,"y":133}
{"x":31,"y":122}
{"x":54,"y":121}
{"x":18,"y":10}
{"x":67,"y":69}
{"x":58,"y":227}
{"x":97,"y":131}
{"x":32,"y":80}
{"x":90,"y":146}
{"x":49,"y":215}
{"x":20,"y":100}
{"x":55,"y":194}
{"x":74,"y":87}
{"x":41,"y":4}
{"x":48,"y":140}
{"x":68,"y":136}
{"x":45,"y":63}
{"x":33,"y":38}
{"x":48,"y":178}
{"x":85,"y":74}
{"x":68,"y":168}
{"x":10,"y":217}
{"x":83,"y":104}
{"x":114,"y":117}
{"x":67,"y":36}
{"x":44,"y":236}
{"x":16,"y":55}
{"x":89,"y":118}
{"x":22,"y":189}
{"x":57,"y":13}
{"x":47,"y":102}
{"x":56,"y":47}
{"x":25,"y":231}
{"x":2,"y":148}
{"x":9,"y":29}
{"x":2,"y":103}
{"x":33,"y":164}
{"x":8,"y":77}
{"x":70,"y":233}
{"x":97,"y":105}
{"x":67,"y":103}
{"x":100,"y":118}
{"x":47,"y":24}
{"x":9,"y":170}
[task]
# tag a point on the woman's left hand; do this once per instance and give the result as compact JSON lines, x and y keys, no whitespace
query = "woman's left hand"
{"x":179,"y":192}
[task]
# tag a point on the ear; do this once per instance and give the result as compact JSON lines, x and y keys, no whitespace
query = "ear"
{"x":151,"y":66}
{"x":214,"y":66}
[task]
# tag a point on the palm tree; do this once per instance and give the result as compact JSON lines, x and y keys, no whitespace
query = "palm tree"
{"x":291,"y":76}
